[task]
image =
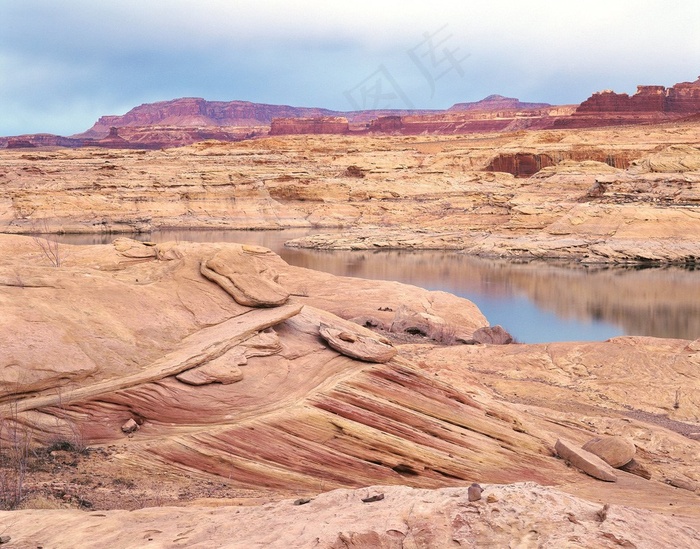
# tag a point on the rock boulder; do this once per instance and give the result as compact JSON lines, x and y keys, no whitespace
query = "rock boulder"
{"x":245,"y":278}
{"x":615,"y":451}
{"x":361,"y":347}
{"x":586,"y":461}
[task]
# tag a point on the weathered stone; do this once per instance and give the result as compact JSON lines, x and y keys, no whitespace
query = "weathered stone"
{"x":130,"y":426}
{"x":134,"y":248}
{"x":693,"y":346}
{"x":682,"y":483}
{"x":474,"y":492}
{"x":322,"y":124}
{"x":636,"y":468}
{"x":589,"y":463}
{"x":615,"y":451}
{"x":361,"y":347}
{"x":224,"y":370}
{"x":246,"y":280}
{"x":493,"y":335}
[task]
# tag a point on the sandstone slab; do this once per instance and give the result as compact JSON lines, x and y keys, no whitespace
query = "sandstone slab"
{"x":405,"y":517}
{"x":588,"y":463}
{"x":245,"y":279}
{"x":361,"y":347}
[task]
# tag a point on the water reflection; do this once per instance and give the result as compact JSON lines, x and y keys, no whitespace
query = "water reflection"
{"x":535,"y":301}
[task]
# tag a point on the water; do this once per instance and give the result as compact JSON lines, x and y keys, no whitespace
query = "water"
{"x":535,"y":301}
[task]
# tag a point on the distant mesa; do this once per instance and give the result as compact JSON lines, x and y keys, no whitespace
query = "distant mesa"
{"x":188,"y":120}
{"x":649,"y":104}
{"x":681,"y":98}
{"x":325,"y":124}
{"x":496,"y":102}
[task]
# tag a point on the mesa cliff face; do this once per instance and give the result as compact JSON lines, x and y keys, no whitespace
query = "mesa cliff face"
{"x":648,"y":104}
{"x":199,"y":112}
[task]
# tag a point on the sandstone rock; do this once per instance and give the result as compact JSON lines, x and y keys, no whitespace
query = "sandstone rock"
{"x":130,"y":426}
{"x":493,"y":335}
{"x":245,"y":279}
{"x":636,"y":468}
{"x":587,"y":462}
{"x":474,"y":492}
{"x":693,"y":346}
{"x":354,"y":171}
{"x":682,"y":483}
{"x":326,"y":124}
{"x":361,"y":347}
{"x":192,"y":111}
{"x":673,"y":159}
{"x":224,"y":370}
{"x":408,"y":517}
{"x":615,"y":451}
{"x":134,"y":248}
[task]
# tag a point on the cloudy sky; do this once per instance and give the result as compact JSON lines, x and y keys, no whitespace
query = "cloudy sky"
{"x":64,"y":63}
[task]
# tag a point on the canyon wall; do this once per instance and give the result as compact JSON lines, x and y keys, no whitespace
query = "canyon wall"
{"x":325,"y":124}
{"x":648,"y":105}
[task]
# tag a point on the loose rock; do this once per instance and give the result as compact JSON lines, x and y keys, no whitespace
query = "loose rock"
{"x":636,"y":468}
{"x":366,"y":348}
{"x":615,"y":451}
{"x":586,"y":461}
{"x":130,"y":426}
{"x":494,"y":335}
{"x":474,"y":492}
{"x":245,"y":278}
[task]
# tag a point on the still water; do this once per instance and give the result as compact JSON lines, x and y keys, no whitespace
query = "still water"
{"x":535,"y":301}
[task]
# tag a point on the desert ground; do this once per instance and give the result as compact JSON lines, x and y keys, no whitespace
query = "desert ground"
{"x":188,"y":394}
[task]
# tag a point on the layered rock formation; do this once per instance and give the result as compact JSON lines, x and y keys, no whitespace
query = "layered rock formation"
{"x":195,"y":111}
{"x":185,"y":121}
{"x":579,"y":207}
{"x":648,"y":104}
{"x":497,"y":103}
{"x":253,"y":399}
{"x":291,"y":126}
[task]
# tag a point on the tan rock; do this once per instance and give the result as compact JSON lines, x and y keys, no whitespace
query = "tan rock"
{"x":224,"y":370}
{"x":361,"y":347}
{"x":474,"y":492}
{"x":636,"y":468}
{"x":338,"y":518}
{"x":587,"y":462}
{"x":693,"y":346}
{"x":682,"y":483}
{"x":134,"y":248}
{"x":615,"y":451}
{"x":493,"y":335}
{"x":130,"y":426}
{"x":245,"y":279}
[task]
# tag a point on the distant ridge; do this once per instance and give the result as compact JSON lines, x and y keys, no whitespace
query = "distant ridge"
{"x":496,"y":102}
{"x":187,"y":120}
{"x":198,"y":112}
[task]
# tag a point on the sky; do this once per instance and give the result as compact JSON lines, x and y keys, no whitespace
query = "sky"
{"x":65,"y":63}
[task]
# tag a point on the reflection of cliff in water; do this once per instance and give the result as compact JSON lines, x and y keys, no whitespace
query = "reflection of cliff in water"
{"x":663,"y":302}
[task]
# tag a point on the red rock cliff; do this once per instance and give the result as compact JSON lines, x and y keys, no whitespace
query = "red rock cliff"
{"x":681,"y":98}
{"x":324,"y":124}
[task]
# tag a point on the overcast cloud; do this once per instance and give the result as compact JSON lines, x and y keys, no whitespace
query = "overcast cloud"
{"x":65,"y":63}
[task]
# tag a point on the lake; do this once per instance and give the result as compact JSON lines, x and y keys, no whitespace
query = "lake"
{"x":535,"y":301}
